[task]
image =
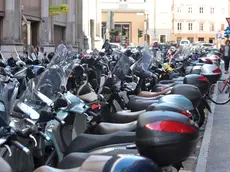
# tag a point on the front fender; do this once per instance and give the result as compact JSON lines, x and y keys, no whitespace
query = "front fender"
{"x":205,"y":104}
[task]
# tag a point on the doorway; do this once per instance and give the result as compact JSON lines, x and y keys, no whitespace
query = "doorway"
{"x":211,"y":40}
{"x":34,"y":33}
{"x":191,"y":39}
{"x":201,"y":39}
{"x":162,"y":38}
{"x":30,"y":35}
{"x":147,"y":37}
{"x":59,"y":34}
{"x":178,"y":39}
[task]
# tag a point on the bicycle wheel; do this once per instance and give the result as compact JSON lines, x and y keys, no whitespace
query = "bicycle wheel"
{"x":211,"y":89}
{"x":221,"y":91}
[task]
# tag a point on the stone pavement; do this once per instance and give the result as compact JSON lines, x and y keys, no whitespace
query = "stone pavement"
{"x":215,"y":150}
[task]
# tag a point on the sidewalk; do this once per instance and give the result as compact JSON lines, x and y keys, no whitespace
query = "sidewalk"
{"x":215,"y":150}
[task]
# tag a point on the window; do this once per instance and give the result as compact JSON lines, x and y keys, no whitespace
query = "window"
{"x":178,"y":9}
{"x":201,"y":10}
{"x":189,"y":26}
{"x":201,"y":28}
{"x":201,"y":39}
{"x":103,"y":30}
{"x":179,"y":26}
{"x":178,"y":40}
{"x":212,"y":10}
{"x":120,"y":33}
{"x":211,"y":41}
{"x":222,"y":11}
{"x":191,"y":39}
{"x":162,"y":38}
{"x":189,"y":9}
{"x":212,"y":27}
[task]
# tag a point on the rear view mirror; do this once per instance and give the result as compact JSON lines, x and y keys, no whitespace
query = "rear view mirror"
{"x":44,"y":117}
{"x":28,"y":111}
{"x":44,"y":98}
{"x":2,"y":141}
{"x":59,"y":103}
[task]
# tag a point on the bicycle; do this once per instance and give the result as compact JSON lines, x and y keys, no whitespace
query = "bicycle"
{"x":223,"y":88}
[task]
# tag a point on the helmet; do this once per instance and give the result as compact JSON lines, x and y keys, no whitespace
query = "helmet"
{"x":11,"y":62}
{"x":50,"y":55}
{"x":128,"y":53}
{"x":101,"y":53}
{"x":127,"y":163}
{"x":155,"y":45}
{"x":78,"y":70}
{"x":137,"y":55}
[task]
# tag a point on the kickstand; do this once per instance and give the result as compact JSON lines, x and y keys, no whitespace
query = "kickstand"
{"x":178,"y":166}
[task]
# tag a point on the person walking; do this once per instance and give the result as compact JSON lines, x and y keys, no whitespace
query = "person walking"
{"x":37,"y":55}
{"x":226,"y":52}
{"x":107,"y":47}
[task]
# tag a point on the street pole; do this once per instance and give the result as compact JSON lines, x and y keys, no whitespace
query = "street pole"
{"x":154,"y":19}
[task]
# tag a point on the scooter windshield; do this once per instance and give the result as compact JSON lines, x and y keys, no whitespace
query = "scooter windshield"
{"x":182,"y":53}
{"x":52,"y":81}
{"x":122,"y":66}
{"x":141,"y":67}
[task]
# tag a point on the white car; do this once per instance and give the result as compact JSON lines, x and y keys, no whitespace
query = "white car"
{"x":206,"y":45}
{"x":115,"y":46}
{"x":184,"y":42}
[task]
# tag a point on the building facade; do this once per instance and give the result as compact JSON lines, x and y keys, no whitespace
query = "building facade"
{"x":160,"y":20}
{"x":129,"y":16}
{"x":26,"y":23}
{"x":197,"y":20}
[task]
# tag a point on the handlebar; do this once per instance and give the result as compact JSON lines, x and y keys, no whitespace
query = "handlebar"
{"x":21,"y":147}
{"x":43,"y":135}
{"x":59,"y":120}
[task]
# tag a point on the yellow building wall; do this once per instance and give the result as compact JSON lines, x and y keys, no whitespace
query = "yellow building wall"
{"x":194,"y":36}
{"x":136,"y":22}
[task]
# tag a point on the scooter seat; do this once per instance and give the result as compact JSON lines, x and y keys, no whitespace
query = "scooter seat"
{"x":108,"y":128}
{"x":88,"y":142}
{"x":169,"y":84}
{"x":166,"y":81}
{"x":153,"y":94}
{"x":51,"y":169}
{"x":70,"y":163}
{"x":125,"y":117}
{"x":136,"y":104}
{"x":171,"y":81}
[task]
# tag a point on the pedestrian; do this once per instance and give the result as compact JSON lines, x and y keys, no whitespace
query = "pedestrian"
{"x":226,"y":52}
{"x":37,"y":55}
{"x":155,"y":48}
{"x":107,"y":47}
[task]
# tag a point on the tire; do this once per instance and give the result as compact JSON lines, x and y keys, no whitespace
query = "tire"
{"x":199,"y":116}
{"x":211,"y":89}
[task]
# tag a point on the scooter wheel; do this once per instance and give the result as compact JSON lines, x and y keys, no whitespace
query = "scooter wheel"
{"x":199,"y":116}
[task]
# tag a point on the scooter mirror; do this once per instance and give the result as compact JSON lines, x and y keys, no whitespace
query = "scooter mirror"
{"x":45,"y":117}
{"x":2,"y":141}
{"x":59,"y":103}
{"x":28,"y":111}
{"x":44,"y":98}
{"x":63,"y":89}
